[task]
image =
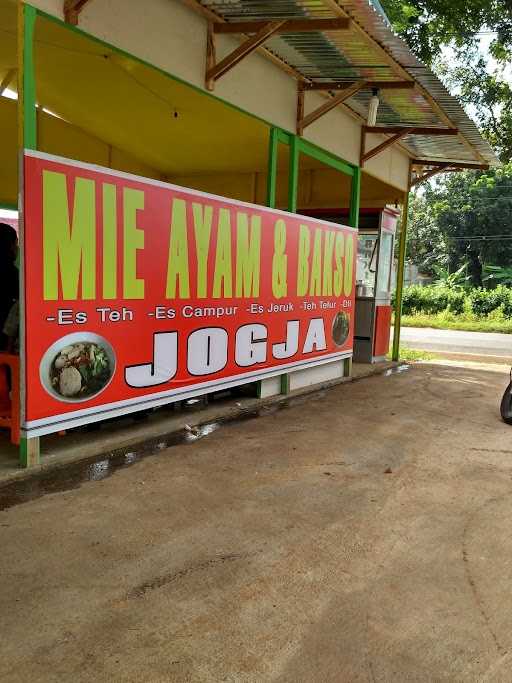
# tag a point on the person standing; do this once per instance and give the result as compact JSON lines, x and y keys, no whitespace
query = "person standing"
{"x":9,"y":277}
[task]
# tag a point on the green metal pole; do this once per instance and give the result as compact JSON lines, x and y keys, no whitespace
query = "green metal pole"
{"x":29,"y":452}
{"x":355,"y":198}
{"x":400,"y":274}
{"x":26,"y":78}
{"x":273,"y":151}
{"x":272,"y":167}
{"x":293,"y":186}
{"x":293,"y":174}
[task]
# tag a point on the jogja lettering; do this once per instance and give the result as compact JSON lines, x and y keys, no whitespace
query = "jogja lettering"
{"x":208,"y":351}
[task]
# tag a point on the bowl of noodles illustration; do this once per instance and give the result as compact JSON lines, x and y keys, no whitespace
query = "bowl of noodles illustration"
{"x":340,"y":328}
{"x":77,"y":367}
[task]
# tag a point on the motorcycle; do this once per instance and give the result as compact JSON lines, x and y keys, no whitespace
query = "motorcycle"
{"x":506,"y":403}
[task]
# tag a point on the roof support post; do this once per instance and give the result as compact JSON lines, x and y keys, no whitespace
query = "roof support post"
{"x":293,"y":174}
{"x":402,"y":250}
{"x":339,"y":98}
{"x":27,"y":111}
{"x":246,"y":48}
{"x":72,"y":9}
{"x":29,"y":453}
{"x":355,"y":198}
{"x":273,"y":147}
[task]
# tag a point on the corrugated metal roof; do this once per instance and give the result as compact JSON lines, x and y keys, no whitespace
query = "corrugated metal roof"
{"x":348,"y":56}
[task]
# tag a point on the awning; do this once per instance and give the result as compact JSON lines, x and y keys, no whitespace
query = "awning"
{"x":368,"y":50}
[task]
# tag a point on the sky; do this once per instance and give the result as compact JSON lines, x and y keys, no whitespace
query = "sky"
{"x":486,"y":39}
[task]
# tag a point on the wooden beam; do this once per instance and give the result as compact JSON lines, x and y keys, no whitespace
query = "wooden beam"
{"x":399,"y":70}
{"x":430,"y":174}
{"x":410,"y":130}
{"x":289,"y":26}
{"x":329,"y":105}
{"x":451,"y":164}
{"x":210,"y":15}
{"x":6,"y":80}
{"x":300,"y":107}
{"x":210,"y":55}
{"x":72,"y":9}
{"x":242,"y":51}
{"x":381,"y":85}
{"x":399,"y":134}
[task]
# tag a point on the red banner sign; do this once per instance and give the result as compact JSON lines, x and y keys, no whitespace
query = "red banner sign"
{"x":138,"y":293}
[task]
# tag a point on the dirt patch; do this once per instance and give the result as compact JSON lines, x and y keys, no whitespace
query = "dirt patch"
{"x":361,"y":534}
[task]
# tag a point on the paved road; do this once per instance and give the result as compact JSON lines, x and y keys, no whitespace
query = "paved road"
{"x":359,"y":535}
{"x":453,"y":341}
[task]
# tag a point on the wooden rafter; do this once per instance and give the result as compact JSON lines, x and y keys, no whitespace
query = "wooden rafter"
{"x":72,"y":9}
{"x":250,"y":45}
{"x":341,"y":85}
{"x":451,"y":164}
{"x":430,"y":174}
{"x":6,"y":80}
{"x":215,"y":19}
{"x":365,"y":156}
{"x":397,"y":133}
{"x":289,"y":26}
{"x":305,"y":121}
{"x":436,"y":167}
{"x":400,"y":71}
{"x":411,"y":130}
{"x":395,"y":66}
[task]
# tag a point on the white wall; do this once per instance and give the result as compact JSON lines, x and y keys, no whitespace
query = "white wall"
{"x":170,"y":35}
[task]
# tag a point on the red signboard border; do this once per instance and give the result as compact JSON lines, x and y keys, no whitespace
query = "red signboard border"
{"x":80,"y":417}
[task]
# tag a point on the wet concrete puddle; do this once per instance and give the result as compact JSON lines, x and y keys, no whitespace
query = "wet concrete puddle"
{"x":71,"y":476}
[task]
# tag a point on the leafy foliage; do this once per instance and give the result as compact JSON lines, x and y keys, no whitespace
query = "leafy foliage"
{"x":455,"y":281}
{"x":427,"y":247}
{"x":489,"y":96}
{"x":464,"y":219}
{"x":427,"y":25}
{"x":431,"y":300}
{"x":478,"y":303}
{"x":498,"y":274}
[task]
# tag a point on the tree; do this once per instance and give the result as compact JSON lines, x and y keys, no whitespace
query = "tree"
{"x":489,"y":95}
{"x":427,"y":247}
{"x":428,"y":25}
{"x":468,"y":216}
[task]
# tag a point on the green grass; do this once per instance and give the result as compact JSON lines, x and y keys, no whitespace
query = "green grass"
{"x":411,"y":355}
{"x":444,"y":321}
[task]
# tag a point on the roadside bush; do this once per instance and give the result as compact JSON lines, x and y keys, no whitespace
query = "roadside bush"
{"x":485,"y":301}
{"x":432,"y":300}
{"x":475,"y":303}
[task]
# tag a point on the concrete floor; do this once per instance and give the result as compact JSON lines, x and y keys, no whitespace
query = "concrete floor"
{"x":363,"y":535}
{"x":162,"y":423}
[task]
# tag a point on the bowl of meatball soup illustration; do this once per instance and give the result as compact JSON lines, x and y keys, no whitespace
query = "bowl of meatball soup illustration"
{"x":77,"y":367}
